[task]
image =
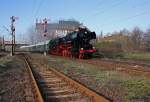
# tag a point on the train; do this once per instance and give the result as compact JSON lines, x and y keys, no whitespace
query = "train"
{"x":75,"y":44}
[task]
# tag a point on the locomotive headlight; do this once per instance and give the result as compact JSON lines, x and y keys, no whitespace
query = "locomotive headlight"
{"x":93,"y":47}
{"x":81,"y":48}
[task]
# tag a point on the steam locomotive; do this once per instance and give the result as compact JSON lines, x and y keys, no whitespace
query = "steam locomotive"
{"x":75,"y":44}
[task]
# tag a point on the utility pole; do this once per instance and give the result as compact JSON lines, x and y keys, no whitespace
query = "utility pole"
{"x":13,"y":18}
{"x":3,"y":43}
{"x":45,"y":34}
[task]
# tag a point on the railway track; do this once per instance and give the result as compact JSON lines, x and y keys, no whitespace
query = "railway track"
{"x":130,"y":62}
{"x":123,"y":66}
{"x":136,"y":66}
{"x":120,"y":66}
{"x":53,"y":86}
{"x":2,"y":54}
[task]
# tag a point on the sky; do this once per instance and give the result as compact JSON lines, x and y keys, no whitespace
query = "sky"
{"x":97,"y":15}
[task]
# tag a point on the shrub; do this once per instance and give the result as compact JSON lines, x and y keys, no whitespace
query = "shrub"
{"x":109,"y":49}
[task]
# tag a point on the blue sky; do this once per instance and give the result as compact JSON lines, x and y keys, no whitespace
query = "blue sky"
{"x":97,"y":15}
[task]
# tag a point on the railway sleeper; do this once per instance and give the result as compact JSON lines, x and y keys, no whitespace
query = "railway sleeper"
{"x":55,"y":88}
{"x":82,"y":100}
{"x":49,"y":79}
{"x":53,"y":84}
{"x":64,"y":98}
{"x":46,"y":73}
{"x":56,"y":80}
{"x":46,"y":76}
{"x":59,"y":92}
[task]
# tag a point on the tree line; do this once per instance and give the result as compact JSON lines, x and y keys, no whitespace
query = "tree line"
{"x":134,"y":40}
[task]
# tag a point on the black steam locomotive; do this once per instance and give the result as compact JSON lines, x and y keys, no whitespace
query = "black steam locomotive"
{"x":75,"y":44}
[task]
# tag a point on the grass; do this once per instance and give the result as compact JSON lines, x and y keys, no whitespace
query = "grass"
{"x":3,"y":64}
{"x":137,"y":56}
{"x":135,"y":87}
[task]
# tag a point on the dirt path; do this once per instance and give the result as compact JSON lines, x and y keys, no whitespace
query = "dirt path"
{"x":14,"y":83}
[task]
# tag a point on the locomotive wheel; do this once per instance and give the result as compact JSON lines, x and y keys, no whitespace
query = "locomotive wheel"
{"x":68,"y":52}
{"x":81,"y":56}
{"x":63,"y":53}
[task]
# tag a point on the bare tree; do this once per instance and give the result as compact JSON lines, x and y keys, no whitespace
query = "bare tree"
{"x":31,"y":35}
{"x":146,"y":40}
{"x":34,"y":36}
{"x":136,"y":38}
{"x":125,"y":32}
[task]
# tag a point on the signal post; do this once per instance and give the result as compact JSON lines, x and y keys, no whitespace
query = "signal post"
{"x":45,"y":34}
{"x":13,"y":19}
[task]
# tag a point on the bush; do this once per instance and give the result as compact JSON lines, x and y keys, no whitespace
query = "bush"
{"x":109,"y":49}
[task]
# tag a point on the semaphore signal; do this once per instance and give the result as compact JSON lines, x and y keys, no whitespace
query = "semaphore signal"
{"x":13,"y":19}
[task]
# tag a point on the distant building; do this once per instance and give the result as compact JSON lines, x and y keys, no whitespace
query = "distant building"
{"x":57,"y":29}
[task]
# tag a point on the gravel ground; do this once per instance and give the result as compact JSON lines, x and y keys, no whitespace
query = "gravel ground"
{"x":119,"y":87}
{"x":14,"y":80}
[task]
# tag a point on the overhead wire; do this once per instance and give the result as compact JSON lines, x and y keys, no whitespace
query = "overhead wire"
{"x":126,"y":19}
{"x":99,"y":4}
{"x":38,"y":8}
{"x":145,"y":2}
{"x":137,"y":15}
{"x":131,"y":17}
{"x":34,"y":7}
{"x":110,"y":8}
{"x":102,"y":2}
